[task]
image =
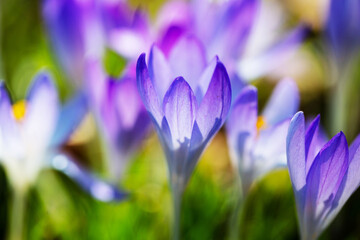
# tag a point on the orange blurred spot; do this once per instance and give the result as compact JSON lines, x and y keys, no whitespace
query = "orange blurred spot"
{"x":260,"y":124}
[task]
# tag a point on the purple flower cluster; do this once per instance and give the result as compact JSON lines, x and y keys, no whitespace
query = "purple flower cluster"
{"x":184,"y":72}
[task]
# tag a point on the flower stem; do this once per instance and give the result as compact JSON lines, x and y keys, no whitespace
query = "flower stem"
{"x":17,"y":216}
{"x":177,"y":191}
{"x":235,"y":220}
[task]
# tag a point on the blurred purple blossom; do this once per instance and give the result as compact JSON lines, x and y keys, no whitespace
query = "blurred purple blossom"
{"x":234,"y":30}
{"x":32,"y":130}
{"x":323,"y":174}
{"x":120,"y":114}
{"x":82,"y":30}
{"x":257,"y":143}
{"x":343,"y":30}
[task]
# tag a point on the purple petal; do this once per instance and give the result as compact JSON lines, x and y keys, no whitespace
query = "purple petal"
{"x":311,"y":148}
{"x":41,"y":112}
{"x":295,"y":149}
{"x":97,"y":188}
{"x":147,"y":91}
{"x":205,"y":79}
{"x":129,"y":43}
{"x":69,"y":119}
{"x":10,"y":141}
{"x":180,"y":110}
{"x":170,"y":38}
{"x":351,"y":181}
{"x":270,"y":148}
{"x":115,"y":14}
{"x":283,"y":103}
{"x":187,"y":59}
{"x":159,"y":72}
{"x":127,"y":102}
{"x":343,"y":28}
{"x":95,"y":82}
{"x":257,"y":66}
{"x":324,"y":179}
{"x":243,"y":115}
{"x":216,"y":103}
{"x":174,"y":14}
{"x":233,"y":28}
{"x":70,"y":23}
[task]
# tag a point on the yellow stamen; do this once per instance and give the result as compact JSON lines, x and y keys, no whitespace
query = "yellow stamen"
{"x":261,"y":123}
{"x":19,"y":110}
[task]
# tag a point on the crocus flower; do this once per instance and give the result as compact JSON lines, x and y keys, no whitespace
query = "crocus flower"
{"x":343,"y":30}
{"x":342,"y":42}
{"x":323,"y":174}
{"x":75,"y":32}
{"x":224,"y":27}
{"x":32,"y":130}
{"x":81,"y":30}
{"x":120,"y":114}
{"x":188,"y":102}
{"x":127,"y":31}
{"x":257,"y":143}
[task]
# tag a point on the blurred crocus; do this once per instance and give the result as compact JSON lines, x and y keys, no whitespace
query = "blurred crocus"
{"x":343,"y":30}
{"x":120,"y":114}
{"x":323,"y":174}
{"x":75,"y":31}
{"x":224,"y":27}
{"x":257,"y":142}
{"x":81,"y":30}
{"x":188,"y":101}
{"x":342,"y":42}
{"x":32,"y":130}
{"x":127,"y":31}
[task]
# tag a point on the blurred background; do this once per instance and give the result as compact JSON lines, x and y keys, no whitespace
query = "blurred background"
{"x":59,"y":209}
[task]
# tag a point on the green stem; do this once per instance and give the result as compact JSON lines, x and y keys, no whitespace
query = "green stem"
{"x":177,"y":191}
{"x":17,"y":216}
{"x":235,"y":220}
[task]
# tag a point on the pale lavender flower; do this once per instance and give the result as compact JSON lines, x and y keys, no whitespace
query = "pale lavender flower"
{"x":257,"y":142}
{"x":32,"y":130}
{"x":323,"y":174}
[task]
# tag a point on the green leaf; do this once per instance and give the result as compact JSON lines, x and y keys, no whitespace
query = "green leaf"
{"x":114,"y":64}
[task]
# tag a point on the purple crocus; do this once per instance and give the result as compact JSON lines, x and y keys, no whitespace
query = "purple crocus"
{"x":343,"y":30}
{"x":127,"y":31}
{"x":76,"y":32}
{"x":323,"y":174}
{"x":224,"y":27}
{"x":120,"y":114}
{"x":257,"y":143}
{"x":188,"y":101}
{"x":32,"y":130}
{"x":82,"y":30}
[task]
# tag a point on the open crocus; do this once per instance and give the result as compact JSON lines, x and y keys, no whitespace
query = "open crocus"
{"x":120,"y":114}
{"x":32,"y":130}
{"x":257,"y":143}
{"x":188,"y":102}
{"x":323,"y":174}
